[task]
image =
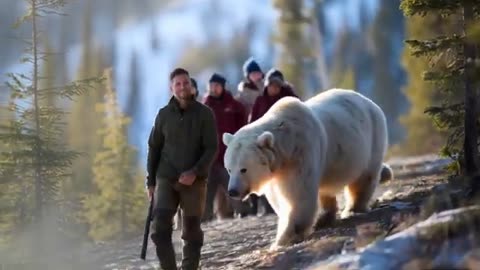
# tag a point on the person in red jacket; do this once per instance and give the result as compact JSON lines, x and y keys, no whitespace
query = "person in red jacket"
{"x":275,"y":89}
{"x":230,"y":116}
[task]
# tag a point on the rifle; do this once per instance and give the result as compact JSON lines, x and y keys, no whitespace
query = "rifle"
{"x":146,"y":230}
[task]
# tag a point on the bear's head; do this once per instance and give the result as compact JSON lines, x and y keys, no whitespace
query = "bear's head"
{"x":250,"y":162}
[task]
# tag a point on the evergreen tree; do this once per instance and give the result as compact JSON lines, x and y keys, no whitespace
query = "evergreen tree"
{"x":12,"y":206}
{"x":47,"y":79}
{"x":452,"y":69}
{"x":34,"y":160}
{"x":421,"y":94}
{"x":115,"y":209}
{"x":84,"y":119}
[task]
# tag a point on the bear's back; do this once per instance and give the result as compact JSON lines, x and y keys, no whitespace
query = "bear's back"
{"x":289,"y":107}
{"x":292,"y":123}
{"x":354,"y":125}
{"x":344,"y":106}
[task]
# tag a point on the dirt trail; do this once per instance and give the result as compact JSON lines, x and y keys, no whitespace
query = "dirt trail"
{"x":243,"y":243}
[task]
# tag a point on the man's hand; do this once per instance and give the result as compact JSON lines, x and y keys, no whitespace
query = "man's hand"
{"x":150,"y":191}
{"x":187,"y":178}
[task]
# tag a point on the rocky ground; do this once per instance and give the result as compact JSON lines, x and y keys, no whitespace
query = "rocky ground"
{"x":243,"y":243}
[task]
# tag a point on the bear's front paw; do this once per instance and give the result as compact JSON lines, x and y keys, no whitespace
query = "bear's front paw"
{"x":274,"y":247}
{"x":282,"y":241}
{"x":347,"y":214}
{"x":326,"y":219}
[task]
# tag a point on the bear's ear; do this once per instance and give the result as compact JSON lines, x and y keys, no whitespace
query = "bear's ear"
{"x":265,"y":139}
{"x":227,"y":138}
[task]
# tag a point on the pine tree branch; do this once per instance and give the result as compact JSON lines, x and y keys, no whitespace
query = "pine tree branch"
{"x":457,"y":107}
{"x":422,"y":7}
{"x":45,"y":13}
{"x":426,"y":47}
{"x":443,"y":75}
{"x":74,"y":88}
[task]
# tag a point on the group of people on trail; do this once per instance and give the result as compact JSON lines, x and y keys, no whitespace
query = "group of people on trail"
{"x":257,"y":92}
{"x":185,"y":155}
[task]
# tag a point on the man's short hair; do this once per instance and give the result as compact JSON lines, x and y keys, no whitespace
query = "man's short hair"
{"x":178,"y":71}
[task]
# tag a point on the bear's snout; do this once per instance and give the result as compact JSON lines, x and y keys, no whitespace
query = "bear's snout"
{"x":237,"y":189}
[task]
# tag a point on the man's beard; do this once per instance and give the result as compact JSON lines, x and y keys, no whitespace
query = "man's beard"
{"x":185,"y":97}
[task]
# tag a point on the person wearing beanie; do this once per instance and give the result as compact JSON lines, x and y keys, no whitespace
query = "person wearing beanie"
{"x":250,"y":67}
{"x":230,"y":116}
{"x":252,"y":84}
{"x":218,"y":79}
{"x":275,"y":88}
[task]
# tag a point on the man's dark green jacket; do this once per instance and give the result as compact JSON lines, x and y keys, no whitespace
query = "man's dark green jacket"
{"x":181,"y":140}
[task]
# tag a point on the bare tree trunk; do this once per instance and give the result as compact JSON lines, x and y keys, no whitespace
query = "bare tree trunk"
{"x":471,"y":134}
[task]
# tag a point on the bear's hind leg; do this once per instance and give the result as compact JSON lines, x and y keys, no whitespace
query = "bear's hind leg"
{"x":329,"y":211}
{"x":358,"y":195}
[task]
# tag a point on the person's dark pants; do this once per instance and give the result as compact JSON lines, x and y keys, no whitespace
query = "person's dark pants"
{"x":191,"y":199}
{"x":255,"y":201}
{"x":217,"y":195}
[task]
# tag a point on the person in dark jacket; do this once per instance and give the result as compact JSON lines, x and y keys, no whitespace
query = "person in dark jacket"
{"x":181,"y":148}
{"x":252,"y":84}
{"x":275,"y":89}
{"x":194,"y":88}
{"x":178,"y":216}
{"x":230,"y":116}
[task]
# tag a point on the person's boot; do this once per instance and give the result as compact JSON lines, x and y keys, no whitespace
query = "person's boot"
{"x":166,"y":256}
{"x":162,"y":237}
{"x":191,"y":255}
{"x":192,"y":236}
{"x":165,"y":250}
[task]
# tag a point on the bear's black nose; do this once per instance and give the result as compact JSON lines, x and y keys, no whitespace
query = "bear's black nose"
{"x":233,"y":193}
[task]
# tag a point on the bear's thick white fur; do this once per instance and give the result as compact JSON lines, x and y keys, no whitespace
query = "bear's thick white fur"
{"x":301,"y":154}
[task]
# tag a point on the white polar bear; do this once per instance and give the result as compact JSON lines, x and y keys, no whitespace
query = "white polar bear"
{"x":301,"y":154}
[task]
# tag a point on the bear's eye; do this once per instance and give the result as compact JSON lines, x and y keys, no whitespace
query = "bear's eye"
{"x":243,"y":170}
{"x":229,"y":171}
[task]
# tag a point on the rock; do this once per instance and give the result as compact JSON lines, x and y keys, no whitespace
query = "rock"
{"x":443,"y":240}
{"x":405,"y":167}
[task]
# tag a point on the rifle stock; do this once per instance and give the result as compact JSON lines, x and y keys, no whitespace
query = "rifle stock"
{"x":146,"y":230}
